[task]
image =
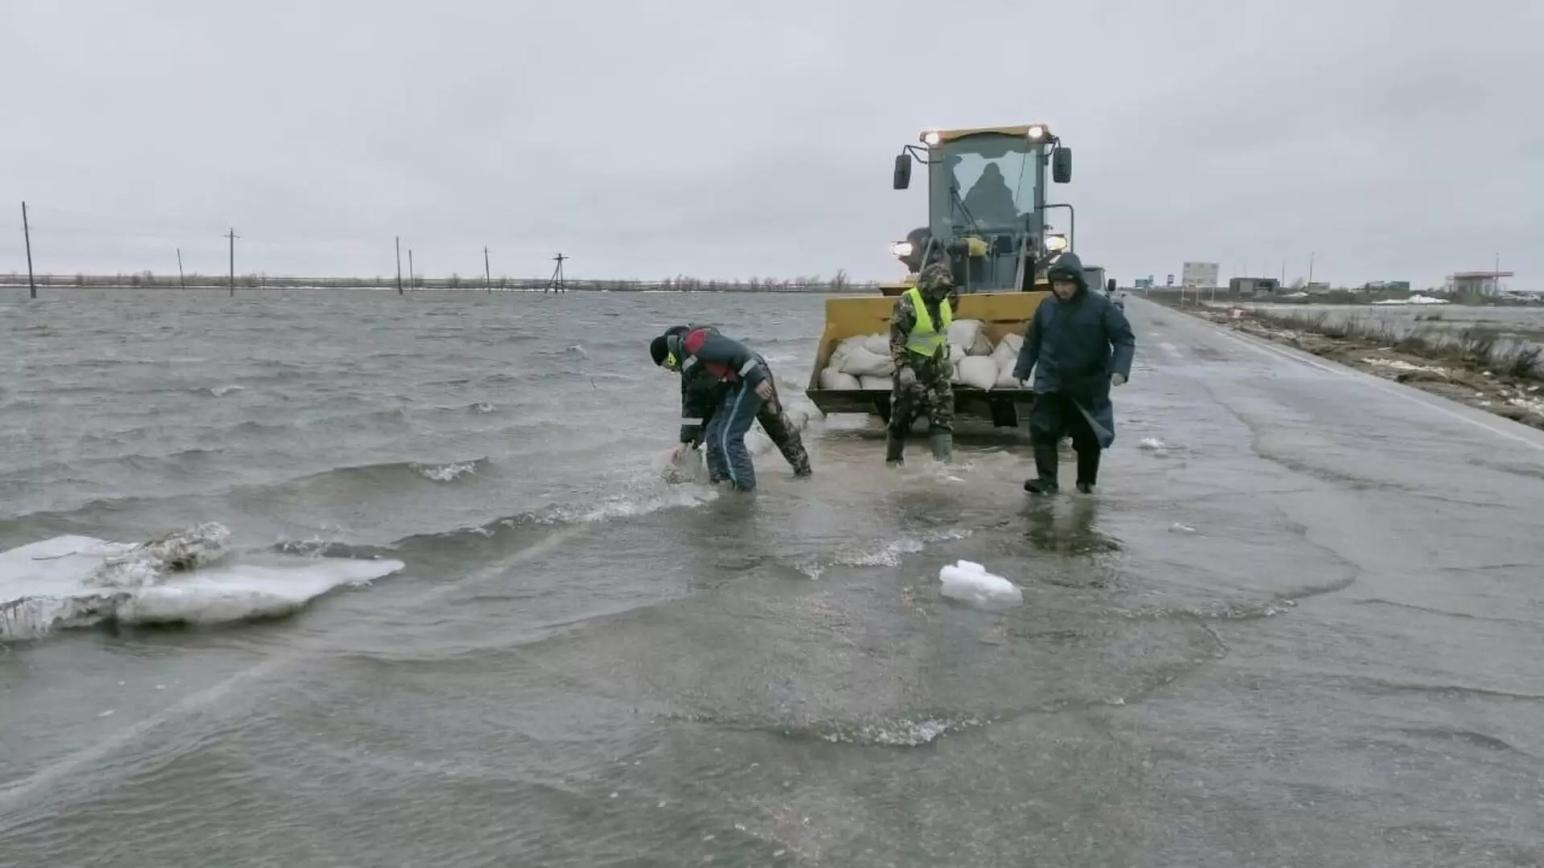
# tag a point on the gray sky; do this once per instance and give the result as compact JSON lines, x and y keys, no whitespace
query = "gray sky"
{"x":1397,"y":140}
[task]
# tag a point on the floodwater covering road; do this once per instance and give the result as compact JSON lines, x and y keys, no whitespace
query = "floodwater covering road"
{"x":1299,"y":624}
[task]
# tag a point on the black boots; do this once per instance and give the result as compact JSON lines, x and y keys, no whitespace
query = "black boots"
{"x":894,"y":446}
{"x":1088,"y":470}
{"x":1045,"y":468}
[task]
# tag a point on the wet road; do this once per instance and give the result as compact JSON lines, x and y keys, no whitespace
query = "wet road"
{"x":1298,"y":625}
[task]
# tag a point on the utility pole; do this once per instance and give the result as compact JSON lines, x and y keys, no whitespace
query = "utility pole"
{"x":411,"y":273}
{"x":556,"y":283}
{"x":232,"y":236}
{"x":182,"y":281}
{"x":1495,"y":280}
{"x":26,"y":231}
{"x":1310,"y":268}
{"x":487,"y":272}
{"x":399,"y":265}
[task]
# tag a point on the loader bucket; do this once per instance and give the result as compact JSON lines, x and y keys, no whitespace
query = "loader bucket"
{"x":1001,"y":313}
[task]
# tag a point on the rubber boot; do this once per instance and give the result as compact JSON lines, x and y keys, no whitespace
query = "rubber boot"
{"x":1045,"y":468}
{"x":942,"y":444}
{"x":1088,"y":470}
{"x":894,"y":447}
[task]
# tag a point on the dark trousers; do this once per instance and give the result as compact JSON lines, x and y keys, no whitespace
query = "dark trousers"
{"x":727,"y":456}
{"x":779,"y":428}
{"x":1055,"y":416}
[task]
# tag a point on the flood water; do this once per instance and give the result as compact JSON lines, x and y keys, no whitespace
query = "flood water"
{"x":1282,"y":633}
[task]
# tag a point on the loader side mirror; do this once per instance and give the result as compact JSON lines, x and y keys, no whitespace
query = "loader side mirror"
{"x":1109,"y":286}
{"x":1061,"y":165}
{"x":902,"y":171}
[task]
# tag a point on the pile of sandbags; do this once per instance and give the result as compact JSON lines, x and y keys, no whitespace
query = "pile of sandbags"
{"x":863,"y":361}
{"x":858,"y":359}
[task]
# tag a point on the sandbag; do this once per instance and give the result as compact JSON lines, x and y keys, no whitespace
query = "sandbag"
{"x":978,"y":371}
{"x":860,"y":362}
{"x":1006,"y":380}
{"x":956,"y":353}
{"x":877,"y":343}
{"x":969,"y":335}
{"x":875,"y":382}
{"x":831,"y":378}
{"x":1005,"y":356}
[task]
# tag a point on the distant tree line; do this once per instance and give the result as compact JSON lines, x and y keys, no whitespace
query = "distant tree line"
{"x":838,"y":282}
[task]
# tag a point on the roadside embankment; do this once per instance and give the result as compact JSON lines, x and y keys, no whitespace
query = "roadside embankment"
{"x":1475,"y":366}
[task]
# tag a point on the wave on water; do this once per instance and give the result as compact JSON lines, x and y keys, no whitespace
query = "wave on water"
{"x":903,"y":732}
{"x":446,"y":472}
{"x":185,"y":577}
{"x":887,"y":554}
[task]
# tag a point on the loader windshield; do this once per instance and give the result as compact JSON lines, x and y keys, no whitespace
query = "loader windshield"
{"x":984,"y":181}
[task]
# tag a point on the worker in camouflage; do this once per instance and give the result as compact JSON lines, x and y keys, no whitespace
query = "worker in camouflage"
{"x":919,"y":347}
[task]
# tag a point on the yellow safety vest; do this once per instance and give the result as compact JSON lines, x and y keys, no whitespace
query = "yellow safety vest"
{"x":926,"y":339}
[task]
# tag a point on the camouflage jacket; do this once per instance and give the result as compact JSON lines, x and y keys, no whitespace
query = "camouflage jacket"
{"x":902,"y":320}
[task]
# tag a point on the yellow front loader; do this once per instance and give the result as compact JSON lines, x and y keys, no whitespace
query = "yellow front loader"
{"x":987,"y":221}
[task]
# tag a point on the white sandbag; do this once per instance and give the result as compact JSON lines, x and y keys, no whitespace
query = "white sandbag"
{"x":963,"y":332}
{"x":954,"y":373}
{"x":968,"y":334}
{"x":1006,"y":360}
{"x":970,"y":583}
{"x":860,"y":362}
{"x":1014,"y":342}
{"x":978,"y":371}
{"x":877,"y":343}
{"x":831,"y":378}
{"x":1007,"y":350}
{"x":956,"y":354}
{"x":876,"y":382}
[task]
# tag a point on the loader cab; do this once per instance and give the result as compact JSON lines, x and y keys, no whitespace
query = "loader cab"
{"x":986,"y":203}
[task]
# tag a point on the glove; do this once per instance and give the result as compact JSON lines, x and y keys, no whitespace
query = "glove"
{"x":1117,"y":379}
{"x":905,"y":378}
{"x":764,"y":390}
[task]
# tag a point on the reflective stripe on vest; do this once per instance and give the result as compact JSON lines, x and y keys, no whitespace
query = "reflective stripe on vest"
{"x":926,"y":339}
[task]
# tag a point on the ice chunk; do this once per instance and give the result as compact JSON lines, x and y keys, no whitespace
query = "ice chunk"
{"x":969,"y":582}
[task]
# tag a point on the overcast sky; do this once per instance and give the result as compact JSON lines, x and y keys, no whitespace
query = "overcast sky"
{"x":1396,"y":140}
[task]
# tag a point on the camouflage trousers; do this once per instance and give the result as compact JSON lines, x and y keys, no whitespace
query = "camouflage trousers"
{"x":777,"y":425}
{"x":933,"y":396}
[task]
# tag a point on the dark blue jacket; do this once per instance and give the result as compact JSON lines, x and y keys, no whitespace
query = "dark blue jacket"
{"x":1074,"y":347}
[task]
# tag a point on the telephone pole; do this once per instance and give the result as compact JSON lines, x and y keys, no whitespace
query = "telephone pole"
{"x":411,"y":273}
{"x":399,"y":265}
{"x":182,"y":281}
{"x":26,"y":230}
{"x":232,"y":236}
{"x":487,"y":272}
{"x":1310,"y":269}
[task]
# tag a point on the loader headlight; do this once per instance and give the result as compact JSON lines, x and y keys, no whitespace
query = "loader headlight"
{"x":931,"y":138}
{"x":1056,"y":243}
{"x":1037,"y":132}
{"x":902,"y":248}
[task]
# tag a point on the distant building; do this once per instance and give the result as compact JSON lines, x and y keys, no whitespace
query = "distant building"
{"x":1387,"y":286}
{"x":1253,"y":285}
{"x":1202,"y":275}
{"x":1477,"y":282}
